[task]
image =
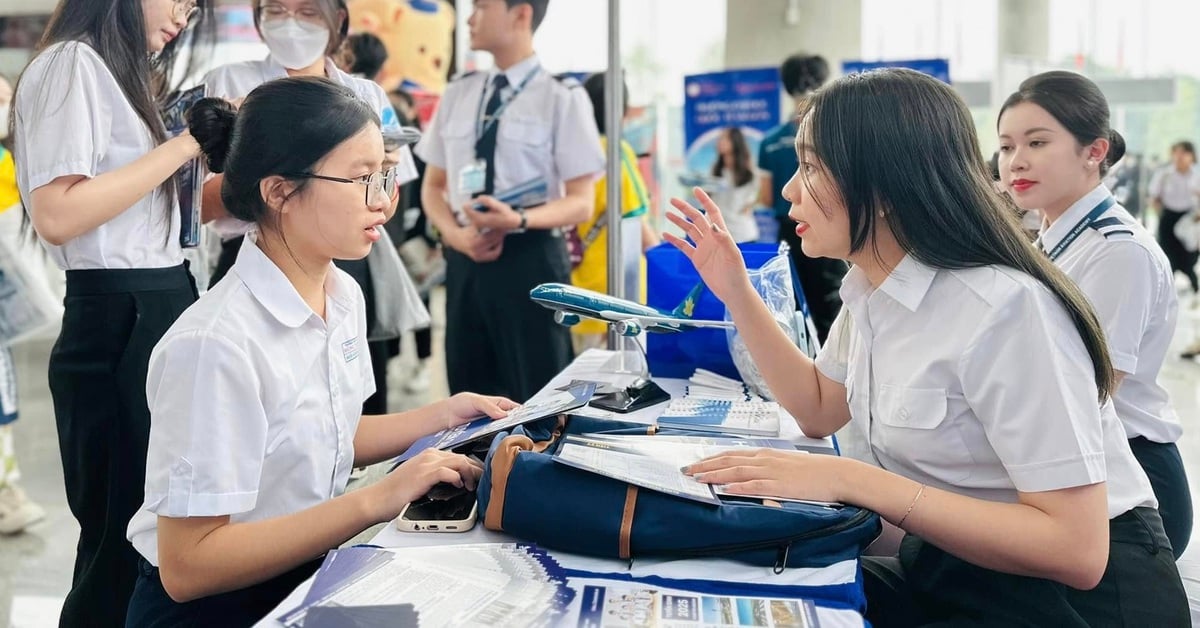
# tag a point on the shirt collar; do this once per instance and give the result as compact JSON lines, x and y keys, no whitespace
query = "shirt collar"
{"x":1049,"y":237}
{"x":907,"y":284}
{"x":271,"y":288}
{"x":518,"y":72}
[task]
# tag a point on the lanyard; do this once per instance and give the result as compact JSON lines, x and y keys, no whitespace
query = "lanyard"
{"x":1080,"y":226}
{"x":483,"y":125}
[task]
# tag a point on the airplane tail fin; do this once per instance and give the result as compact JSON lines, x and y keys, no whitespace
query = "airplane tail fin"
{"x":687,"y":307}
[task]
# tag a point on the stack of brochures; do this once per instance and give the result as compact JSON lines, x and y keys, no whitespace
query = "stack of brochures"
{"x":705,"y":384}
{"x":656,"y":462}
{"x":497,"y":584}
{"x":750,"y":418}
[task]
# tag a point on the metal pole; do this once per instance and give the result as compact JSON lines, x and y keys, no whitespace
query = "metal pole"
{"x":613,"y":114}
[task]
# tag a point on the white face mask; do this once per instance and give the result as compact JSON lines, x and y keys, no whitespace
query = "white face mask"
{"x":4,"y":109}
{"x":293,"y":43}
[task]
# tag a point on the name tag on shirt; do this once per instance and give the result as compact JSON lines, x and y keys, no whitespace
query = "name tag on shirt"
{"x":350,"y":349}
{"x":472,"y":178}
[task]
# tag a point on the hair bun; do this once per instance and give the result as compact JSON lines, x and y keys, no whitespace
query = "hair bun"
{"x":1116,"y":147}
{"x":210,"y":121}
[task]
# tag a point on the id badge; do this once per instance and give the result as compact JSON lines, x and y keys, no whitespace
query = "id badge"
{"x":472,"y":178}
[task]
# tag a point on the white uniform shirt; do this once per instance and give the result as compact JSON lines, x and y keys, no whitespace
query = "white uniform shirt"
{"x":254,"y":400}
{"x":547,"y":130}
{"x":236,"y":80}
{"x":1177,"y":190}
{"x":1128,"y":279}
{"x":75,"y":120}
{"x":975,"y":381}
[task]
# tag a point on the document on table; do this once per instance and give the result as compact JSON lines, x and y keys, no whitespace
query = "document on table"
{"x":607,"y":459}
{"x":603,"y":603}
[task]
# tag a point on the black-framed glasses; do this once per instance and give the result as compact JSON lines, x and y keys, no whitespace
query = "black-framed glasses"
{"x":186,"y":9}
{"x":383,"y":182}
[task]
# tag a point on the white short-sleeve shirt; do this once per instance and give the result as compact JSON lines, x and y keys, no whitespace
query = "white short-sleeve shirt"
{"x":73,"y":119}
{"x":236,"y":80}
{"x":254,"y":400}
{"x":546,"y":130}
{"x":1177,"y":190}
{"x":1127,"y":277}
{"x":975,"y":381}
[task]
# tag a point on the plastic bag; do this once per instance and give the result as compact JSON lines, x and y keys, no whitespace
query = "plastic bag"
{"x":1187,"y":231}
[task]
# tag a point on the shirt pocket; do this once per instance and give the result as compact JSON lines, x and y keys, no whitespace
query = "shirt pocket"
{"x":913,"y":426}
{"x":531,"y":140}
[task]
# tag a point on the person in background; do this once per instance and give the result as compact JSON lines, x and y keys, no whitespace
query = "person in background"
{"x":362,"y":55}
{"x":1175,"y":193}
{"x":530,"y":126}
{"x":592,"y":271}
{"x":256,"y":392}
{"x":96,"y":175}
{"x":1022,"y":502}
{"x":17,"y":511}
{"x":1055,"y":149}
{"x":735,"y":185}
{"x":819,"y":277}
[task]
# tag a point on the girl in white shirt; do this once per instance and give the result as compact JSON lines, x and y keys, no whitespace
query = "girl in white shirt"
{"x":738,"y":186}
{"x":94,"y":169}
{"x":1021,"y":499}
{"x":1055,"y":147}
{"x":255,"y":393}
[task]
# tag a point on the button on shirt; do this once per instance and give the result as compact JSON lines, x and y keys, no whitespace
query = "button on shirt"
{"x":547,"y":130}
{"x":975,"y":381}
{"x":75,"y":120}
{"x":236,"y":80}
{"x":1177,"y":190}
{"x":254,"y":400}
{"x":1128,"y":280}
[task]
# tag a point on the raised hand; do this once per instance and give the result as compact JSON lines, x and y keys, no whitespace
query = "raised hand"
{"x":711,"y":250}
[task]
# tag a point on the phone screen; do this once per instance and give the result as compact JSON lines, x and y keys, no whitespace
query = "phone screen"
{"x":456,"y":508}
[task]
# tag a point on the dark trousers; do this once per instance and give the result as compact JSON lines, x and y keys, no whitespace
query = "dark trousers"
{"x":1181,"y":259}
{"x":498,"y":341}
{"x":820,"y":279}
{"x":361,"y":272}
{"x":1164,"y":467}
{"x":423,"y":338}
{"x":112,"y":320}
{"x":151,"y":607}
{"x":927,"y":586}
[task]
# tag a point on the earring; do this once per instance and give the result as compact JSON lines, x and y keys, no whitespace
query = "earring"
{"x":881,"y":214}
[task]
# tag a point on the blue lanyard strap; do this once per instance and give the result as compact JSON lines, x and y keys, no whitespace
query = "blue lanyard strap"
{"x":482,"y":123}
{"x":1080,"y":227}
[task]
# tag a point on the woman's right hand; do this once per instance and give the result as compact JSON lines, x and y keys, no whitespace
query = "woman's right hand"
{"x":712,"y":250}
{"x":416,"y":476}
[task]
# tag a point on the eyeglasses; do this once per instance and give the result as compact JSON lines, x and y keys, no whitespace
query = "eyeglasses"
{"x":186,"y":9}
{"x":275,"y":11}
{"x":383,"y":182}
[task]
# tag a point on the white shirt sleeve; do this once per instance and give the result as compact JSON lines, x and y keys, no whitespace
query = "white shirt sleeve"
{"x":1121,"y":283}
{"x":65,"y":115}
{"x":432,"y":147}
{"x":208,"y":428}
{"x":1028,"y":379}
{"x":576,"y":141}
{"x":1156,"y":184}
{"x":833,"y":359}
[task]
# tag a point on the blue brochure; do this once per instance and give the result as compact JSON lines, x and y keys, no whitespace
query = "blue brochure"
{"x":528,"y":194}
{"x":190,"y":177}
{"x":540,"y":407}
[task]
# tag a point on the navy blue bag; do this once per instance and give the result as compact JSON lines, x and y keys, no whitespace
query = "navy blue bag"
{"x":525,"y":493}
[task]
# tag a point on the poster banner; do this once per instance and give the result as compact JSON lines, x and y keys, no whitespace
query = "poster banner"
{"x":937,"y":68}
{"x":748,"y":99}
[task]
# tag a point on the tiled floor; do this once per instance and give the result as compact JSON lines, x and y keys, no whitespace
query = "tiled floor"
{"x":35,"y":567}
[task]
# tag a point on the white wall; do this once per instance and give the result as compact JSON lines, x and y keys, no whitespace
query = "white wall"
{"x":758,"y":34}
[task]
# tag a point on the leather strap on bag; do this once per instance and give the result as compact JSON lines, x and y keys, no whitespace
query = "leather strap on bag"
{"x":502,"y":464}
{"x":623,"y":549}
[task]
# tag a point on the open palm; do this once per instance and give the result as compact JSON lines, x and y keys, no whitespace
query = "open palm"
{"x":711,"y":249}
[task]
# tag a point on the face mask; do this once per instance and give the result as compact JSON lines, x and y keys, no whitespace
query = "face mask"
{"x":295,"y":44}
{"x":4,"y":121}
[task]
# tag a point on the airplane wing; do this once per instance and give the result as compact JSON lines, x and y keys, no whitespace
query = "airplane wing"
{"x":660,"y":321}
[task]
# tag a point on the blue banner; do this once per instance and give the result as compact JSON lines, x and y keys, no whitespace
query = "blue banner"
{"x":937,"y":68}
{"x":743,"y":98}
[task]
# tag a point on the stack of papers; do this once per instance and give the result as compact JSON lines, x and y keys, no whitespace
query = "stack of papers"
{"x":751,"y":418}
{"x":502,"y":584}
{"x":709,"y":385}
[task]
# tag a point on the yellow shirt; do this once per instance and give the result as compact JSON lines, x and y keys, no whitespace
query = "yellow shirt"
{"x":9,"y":196}
{"x":592,"y":272}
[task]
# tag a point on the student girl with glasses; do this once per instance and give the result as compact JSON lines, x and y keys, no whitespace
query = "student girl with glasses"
{"x":94,"y":170}
{"x":256,"y":392}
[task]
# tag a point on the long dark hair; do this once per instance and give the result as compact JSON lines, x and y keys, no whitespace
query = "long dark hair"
{"x":1077,"y":103}
{"x":261,"y":138}
{"x":902,"y":143}
{"x":742,"y":174}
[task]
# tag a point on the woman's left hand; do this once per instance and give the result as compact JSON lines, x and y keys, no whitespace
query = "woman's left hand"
{"x":774,"y":473}
{"x":466,"y":407}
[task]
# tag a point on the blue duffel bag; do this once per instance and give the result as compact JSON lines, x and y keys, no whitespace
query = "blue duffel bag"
{"x":525,"y":493}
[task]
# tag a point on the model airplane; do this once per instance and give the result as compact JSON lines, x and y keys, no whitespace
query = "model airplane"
{"x":570,"y":304}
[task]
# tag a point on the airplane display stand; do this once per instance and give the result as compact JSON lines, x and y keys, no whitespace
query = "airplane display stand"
{"x":641,"y":393}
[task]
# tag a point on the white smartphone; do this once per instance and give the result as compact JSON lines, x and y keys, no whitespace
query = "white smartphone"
{"x":456,"y":514}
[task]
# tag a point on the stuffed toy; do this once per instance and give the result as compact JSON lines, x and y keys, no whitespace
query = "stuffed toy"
{"x":419,"y":36}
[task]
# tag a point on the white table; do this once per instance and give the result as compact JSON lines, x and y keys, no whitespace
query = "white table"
{"x":598,"y":365}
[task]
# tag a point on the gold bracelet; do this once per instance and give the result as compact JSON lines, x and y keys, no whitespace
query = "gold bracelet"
{"x":910,"y":507}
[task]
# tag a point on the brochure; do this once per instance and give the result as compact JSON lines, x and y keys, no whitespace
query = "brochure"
{"x":606,"y":603}
{"x":557,"y":403}
{"x":531,"y":193}
{"x":754,"y":418}
{"x":190,"y":178}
